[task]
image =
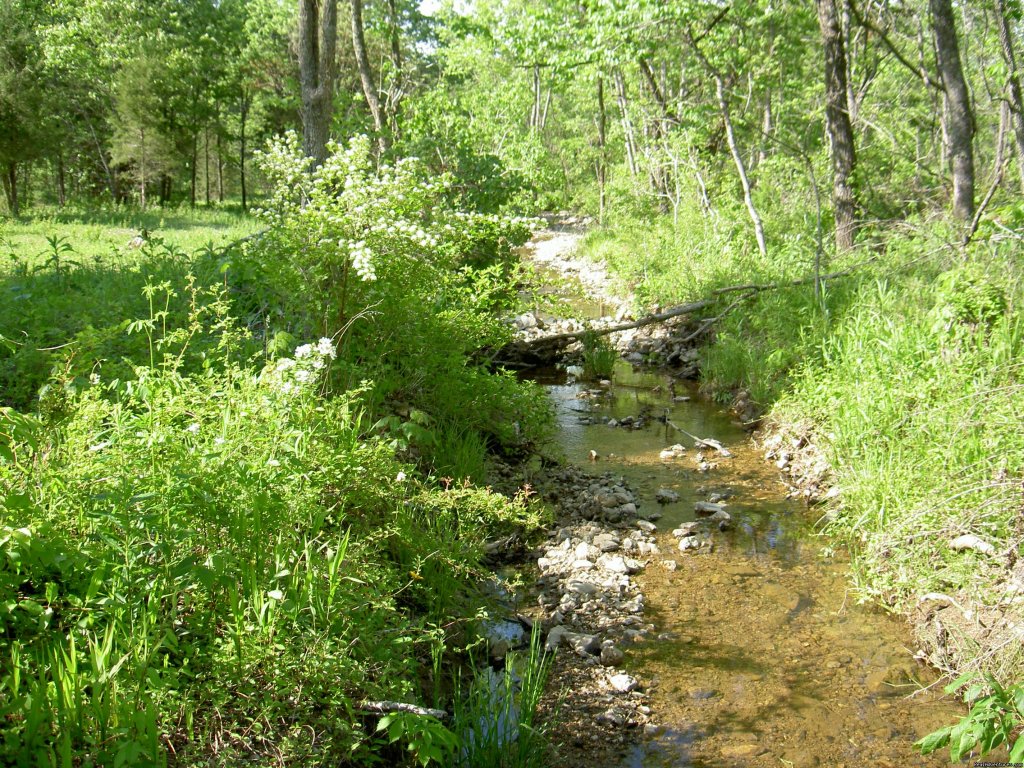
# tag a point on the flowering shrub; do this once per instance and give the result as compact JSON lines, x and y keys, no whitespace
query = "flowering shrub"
{"x":379,"y":259}
{"x":359,"y":234}
{"x":294,"y":375}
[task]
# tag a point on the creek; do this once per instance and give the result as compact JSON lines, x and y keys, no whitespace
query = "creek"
{"x":763,"y":655}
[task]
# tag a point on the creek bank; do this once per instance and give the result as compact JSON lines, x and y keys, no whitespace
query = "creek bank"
{"x":953,"y":632}
{"x":588,"y":610}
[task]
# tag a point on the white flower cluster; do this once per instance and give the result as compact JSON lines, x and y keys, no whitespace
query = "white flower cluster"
{"x":292,"y":375}
{"x":362,"y":259}
{"x":415,"y":233}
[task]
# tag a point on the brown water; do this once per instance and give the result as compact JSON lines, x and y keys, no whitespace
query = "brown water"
{"x":765,"y":659}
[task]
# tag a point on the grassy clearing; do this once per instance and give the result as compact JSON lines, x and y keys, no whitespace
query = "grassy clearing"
{"x":97,"y":235}
{"x":908,"y":371}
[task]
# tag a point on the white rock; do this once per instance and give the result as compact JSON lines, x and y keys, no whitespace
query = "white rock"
{"x":555,"y":638}
{"x":525,"y":321}
{"x":584,"y":588}
{"x":970,"y":541}
{"x":623,"y":683}
{"x":615,"y":564}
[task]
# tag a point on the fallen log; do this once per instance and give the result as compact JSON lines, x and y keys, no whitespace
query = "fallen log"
{"x":749,"y":290}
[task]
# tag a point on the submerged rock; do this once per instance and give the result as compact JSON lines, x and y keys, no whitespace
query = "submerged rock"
{"x":666,"y":496}
{"x":707,"y":508}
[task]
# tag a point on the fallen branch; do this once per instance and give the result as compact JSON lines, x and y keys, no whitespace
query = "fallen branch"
{"x":702,"y":442}
{"x":750,"y":290}
{"x":705,"y":326}
{"x":384,"y":707}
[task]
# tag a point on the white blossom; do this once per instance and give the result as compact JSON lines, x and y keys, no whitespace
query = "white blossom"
{"x":326,"y":348}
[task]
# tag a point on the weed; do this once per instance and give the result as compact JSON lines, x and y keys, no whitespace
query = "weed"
{"x":497,"y":718}
{"x":993,"y":720}
{"x":599,"y":356}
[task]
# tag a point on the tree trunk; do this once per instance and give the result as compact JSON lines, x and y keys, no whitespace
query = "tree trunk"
{"x":206,"y":162}
{"x":142,"y":169}
{"x":365,"y":74}
{"x":627,"y":124}
{"x":737,"y":157}
{"x":395,"y":30}
{"x":1013,"y":84}
{"x":602,"y":161}
{"x":220,"y":164}
{"x":535,"y":110}
{"x":661,"y":177}
{"x":840,"y":129}
{"x":243,"y":119}
{"x":395,"y":90}
{"x":767,"y":126}
{"x":318,"y":38}
{"x":959,"y":122}
{"x":111,"y":177}
{"x":194,"y":170}
{"x":11,"y":188}
{"x":62,"y":197}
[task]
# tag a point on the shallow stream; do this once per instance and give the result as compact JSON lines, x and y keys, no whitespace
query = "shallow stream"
{"x":763,"y":656}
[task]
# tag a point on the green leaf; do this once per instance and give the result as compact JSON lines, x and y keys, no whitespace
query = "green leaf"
{"x":960,"y":682}
{"x":1017,"y":753}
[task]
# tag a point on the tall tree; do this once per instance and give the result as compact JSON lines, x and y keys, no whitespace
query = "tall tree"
{"x":837,"y":118}
{"x":958,"y":113}
{"x":318,"y":70}
{"x":365,"y":73}
{"x":21,"y":92}
{"x":1012,"y":83}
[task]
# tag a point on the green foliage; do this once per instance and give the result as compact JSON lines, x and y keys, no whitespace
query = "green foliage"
{"x":74,"y":277}
{"x":426,"y":737}
{"x":204,"y":545}
{"x":967,"y":296}
{"x":995,"y":718}
{"x":496,"y":718}
{"x":378,"y":257}
{"x":181,"y":545}
{"x":599,"y":356}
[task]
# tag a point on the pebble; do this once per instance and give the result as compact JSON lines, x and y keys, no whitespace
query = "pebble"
{"x":612,"y":656}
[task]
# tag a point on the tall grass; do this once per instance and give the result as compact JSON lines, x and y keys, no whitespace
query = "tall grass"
{"x":496,"y":719}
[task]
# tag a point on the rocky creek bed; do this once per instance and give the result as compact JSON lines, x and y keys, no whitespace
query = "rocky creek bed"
{"x":694,"y":617}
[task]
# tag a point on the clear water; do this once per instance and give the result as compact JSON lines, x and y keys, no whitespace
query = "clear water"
{"x":769,"y":660}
